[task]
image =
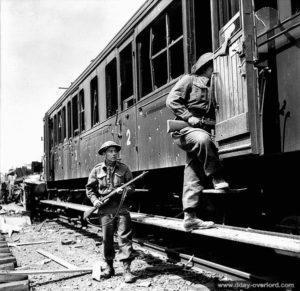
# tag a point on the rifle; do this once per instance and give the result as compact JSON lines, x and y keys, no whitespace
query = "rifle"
{"x":105,"y":199}
{"x":176,"y":125}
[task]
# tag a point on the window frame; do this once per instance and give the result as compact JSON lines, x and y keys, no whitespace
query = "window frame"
{"x":220,"y":28}
{"x":69,"y":120}
{"x":169,"y":44}
{"x":95,"y":116}
{"x":112,"y":61}
{"x":59,"y":126}
{"x":81,"y":111}
{"x":75,"y":121}
{"x":64,"y":135}
{"x":125,"y":103}
{"x":55,"y":130}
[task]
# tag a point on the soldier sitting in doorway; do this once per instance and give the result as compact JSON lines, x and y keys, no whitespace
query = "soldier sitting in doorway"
{"x":190,"y":101}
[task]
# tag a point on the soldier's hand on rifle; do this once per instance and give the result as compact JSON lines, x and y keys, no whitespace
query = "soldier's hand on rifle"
{"x":194,"y":121}
{"x":97,"y":203}
{"x":119,"y":191}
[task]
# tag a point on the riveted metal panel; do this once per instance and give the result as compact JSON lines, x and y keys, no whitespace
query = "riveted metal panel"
{"x":156,"y":147}
{"x":126,"y":132}
{"x":90,"y":144}
{"x":76,"y":158}
{"x":288,"y":68}
{"x":65,"y":161}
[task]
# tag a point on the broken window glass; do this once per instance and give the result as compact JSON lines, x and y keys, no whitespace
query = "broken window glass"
{"x":265,"y":19}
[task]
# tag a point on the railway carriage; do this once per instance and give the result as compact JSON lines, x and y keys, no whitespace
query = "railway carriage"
{"x":121,"y":96}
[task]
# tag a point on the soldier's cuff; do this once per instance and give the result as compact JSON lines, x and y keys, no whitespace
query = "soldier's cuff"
{"x":95,"y":201}
{"x":186,"y":116}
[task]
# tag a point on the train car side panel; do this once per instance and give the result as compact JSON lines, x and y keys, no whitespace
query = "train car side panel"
{"x":289,"y":90}
{"x":156,"y":147}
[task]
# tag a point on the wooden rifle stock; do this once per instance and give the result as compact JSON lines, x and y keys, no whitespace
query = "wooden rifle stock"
{"x":176,"y":125}
{"x":105,"y":199}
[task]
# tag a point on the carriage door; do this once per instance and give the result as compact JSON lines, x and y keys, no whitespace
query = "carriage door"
{"x":126,"y":123}
{"x":234,"y":78}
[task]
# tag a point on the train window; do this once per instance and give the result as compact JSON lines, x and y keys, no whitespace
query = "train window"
{"x":59,"y":119}
{"x":111,"y":88}
{"x":162,"y":42}
{"x":175,"y":41}
{"x":144,"y":70}
{"x":175,"y":23}
{"x":202,"y":18}
{"x":227,"y":10}
{"x":258,"y":4}
{"x":69,"y":119}
{"x":295,"y":6}
{"x":51,"y":133}
{"x":126,"y":75}
{"x":81,"y":110}
{"x":159,"y":36}
{"x":63,"y":123}
{"x":160,"y":70}
{"x":265,"y":19}
{"x":94,"y":101}
{"x":55,"y":129}
{"x":75,"y":115}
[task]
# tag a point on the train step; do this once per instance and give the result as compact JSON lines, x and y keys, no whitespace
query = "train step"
{"x":224,"y":191}
{"x":282,"y":243}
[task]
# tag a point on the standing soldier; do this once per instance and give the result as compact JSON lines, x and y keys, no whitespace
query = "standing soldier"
{"x":190,"y":101}
{"x":105,"y":177}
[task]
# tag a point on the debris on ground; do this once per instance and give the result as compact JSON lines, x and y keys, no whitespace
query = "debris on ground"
{"x":56,"y":247}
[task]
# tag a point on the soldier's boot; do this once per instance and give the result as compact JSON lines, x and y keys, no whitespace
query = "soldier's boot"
{"x":109,"y":270}
{"x":191,"y":221}
{"x":128,"y":276}
{"x":219,"y":182}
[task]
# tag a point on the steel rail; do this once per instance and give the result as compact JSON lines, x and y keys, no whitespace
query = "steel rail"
{"x":231,"y":273}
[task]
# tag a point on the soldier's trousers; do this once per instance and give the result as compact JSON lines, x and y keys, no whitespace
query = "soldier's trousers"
{"x":202,"y":160}
{"x":122,"y":225}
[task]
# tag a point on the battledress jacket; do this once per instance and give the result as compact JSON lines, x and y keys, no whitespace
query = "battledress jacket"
{"x":98,"y":187}
{"x":190,"y":97}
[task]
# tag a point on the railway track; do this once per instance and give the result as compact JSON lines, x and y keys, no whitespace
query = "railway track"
{"x":188,"y":261}
{"x":191,"y":250}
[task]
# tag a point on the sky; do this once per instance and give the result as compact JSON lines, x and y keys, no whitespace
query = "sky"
{"x":44,"y":45}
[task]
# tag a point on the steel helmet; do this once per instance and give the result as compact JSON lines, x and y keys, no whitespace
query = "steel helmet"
{"x":203,"y":60}
{"x":108,"y":144}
